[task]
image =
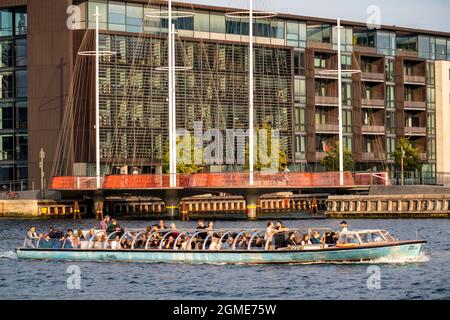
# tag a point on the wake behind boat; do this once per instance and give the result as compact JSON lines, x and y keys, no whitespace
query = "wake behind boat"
{"x":222,"y":246}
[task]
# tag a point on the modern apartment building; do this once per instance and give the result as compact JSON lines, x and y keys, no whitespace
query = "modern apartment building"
{"x":398,"y":92}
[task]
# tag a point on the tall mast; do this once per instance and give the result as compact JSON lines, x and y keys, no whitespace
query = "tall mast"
{"x":97,"y":101}
{"x":341,"y":145}
{"x":250,"y":97}
{"x":171,"y":101}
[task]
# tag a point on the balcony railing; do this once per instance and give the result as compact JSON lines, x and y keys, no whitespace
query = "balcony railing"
{"x":330,"y":101}
{"x":373,"y":76}
{"x":415,"y":104}
{"x":372,"y":103}
{"x":416,"y":131}
{"x":325,"y":128}
{"x":319,"y":73}
{"x":371,"y":156}
{"x":415,"y":79}
{"x":370,"y":129}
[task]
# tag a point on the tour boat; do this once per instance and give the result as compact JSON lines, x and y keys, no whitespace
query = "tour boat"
{"x":233,"y":246}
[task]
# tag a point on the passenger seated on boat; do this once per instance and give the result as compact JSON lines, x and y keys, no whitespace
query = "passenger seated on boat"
{"x":45,"y":242}
{"x":173,"y":228}
{"x":316,"y":238}
{"x":119,"y":231}
{"x":214,"y":246}
{"x":210,"y":226}
{"x":125,"y":244}
{"x":280,"y":227}
{"x":243,"y":244}
{"x":185,"y":243}
{"x":228,"y":244}
{"x":112,"y":226}
{"x":54,"y":233}
{"x":169,"y":242}
{"x":90,"y":235}
{"x":306,"y":240}
{"x":161,"y":225}
{"x":115,"y":244}
{"x":80,"y":235}
{"x":99,"y":241}
{"x":330,"y":238}
{"x":291,"y":242}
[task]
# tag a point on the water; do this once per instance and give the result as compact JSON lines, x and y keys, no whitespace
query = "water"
{"x":423,"y":278}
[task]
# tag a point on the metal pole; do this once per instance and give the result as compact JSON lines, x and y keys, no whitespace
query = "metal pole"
{"x":250,"y":99}
{"x":402,"y":165}
{"x":341,"y":145}
{"x":170,"y":98}
{"x":41,"y":166}
{"x":97,"y":100}
{"x":174,"y":107}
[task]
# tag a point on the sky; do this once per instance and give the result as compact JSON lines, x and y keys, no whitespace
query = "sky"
{"x":418,"y":14}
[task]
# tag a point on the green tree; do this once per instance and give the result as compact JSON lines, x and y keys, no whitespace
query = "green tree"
{"x":184,"y":168}
{"x":258,"y":165}
{"x":331,"y":159}
{"x":411,"y":159}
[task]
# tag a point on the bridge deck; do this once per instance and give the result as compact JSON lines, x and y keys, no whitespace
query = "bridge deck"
{"x":289,"y":180}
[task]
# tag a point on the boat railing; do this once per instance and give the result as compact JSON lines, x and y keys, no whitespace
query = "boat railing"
{"x":272,"y":242}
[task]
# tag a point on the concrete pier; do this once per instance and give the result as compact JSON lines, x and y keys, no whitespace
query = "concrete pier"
{"x":251,"y":201}
{"x":389,"y":206}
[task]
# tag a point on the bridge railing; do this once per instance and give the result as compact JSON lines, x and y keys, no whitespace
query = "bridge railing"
{"x":222,"y":180}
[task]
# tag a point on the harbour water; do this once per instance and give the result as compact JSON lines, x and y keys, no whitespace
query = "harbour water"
{"x":423,"y":278}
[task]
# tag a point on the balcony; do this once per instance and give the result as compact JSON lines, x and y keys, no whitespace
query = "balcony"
{"x":327,"y":128}
{"x":418,"y":80}
{"x":327,"y":101}
{"x":372,"y":76}
{"x":320,"y":156}
{"x":370,"y":156}
{"x":423,"y":156}
{"x":415,"y":131}
{"x":415,"y":105}
{"x":321,"y":73}
{"x":369,"y":129}
{"x":375,"y":103}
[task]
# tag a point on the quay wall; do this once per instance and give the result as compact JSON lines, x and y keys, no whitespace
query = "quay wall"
{"x":389,"y":206}
{"x":37,"y":209}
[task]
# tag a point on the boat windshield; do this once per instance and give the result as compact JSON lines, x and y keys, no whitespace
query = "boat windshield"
{"x":364,"y":237}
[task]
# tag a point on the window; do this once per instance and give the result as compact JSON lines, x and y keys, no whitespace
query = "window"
{"x":431,"y":148}
{"x":116,"y":16}
{"x":6,"y":23}
{"x":237,"y":26}
{"x":21,"y":84}
{"x":300,"y":119}
{"x":21,"y":52}
{"x":300,"y":90}
{"x":296,"y":34}
{"x":390,"y":122}
{"x":6,"y":116}
{"x":102,"y":10}
{"x":424,"y":47}
{"x":300,"y":147}
{"x":319,"y":33}
{"x":299,"y":63}
{"x":386,"y":43}
{"x":346,"y":39}
{"x":6,"y":147}
{"x":390,"y":142}
{"x":21,"y":147}
{"x":278,"y":29}
{"x":217,"y":23}
{"x":134,"y":18}
{"x":407,"y":42}
{"x":21,"y":22}
{"x":348,"y":143}
{"x":430,"y":73}
{"x":347,"y":117}
{"x":431,"y":123}
{"x":364,"y":37}
{"x":441,"y":49}
{"x":21,"y":115}
{"x":201,"y":21}
{"x":390,"y":70}
{"x":347,"y":93}
{"x":6,"y":53}
{"x":6,"y":85}
{"x":390,"y":97}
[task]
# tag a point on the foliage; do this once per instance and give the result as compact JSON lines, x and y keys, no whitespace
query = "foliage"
{"x":184,"y":168}
{"x":331,"y":159}
{"x":411,"y":158}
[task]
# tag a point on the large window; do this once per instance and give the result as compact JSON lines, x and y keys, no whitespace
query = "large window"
{"x":386,"y":43}
{"x":21,"y":84}
{"x":364,"y":37}
{"x":6,"y":56}
{"x":346,"y":39}
{"x":296,"y":34}
{"x":319,"y":33}
{"x":300,"y":148}
{"x":6,"y":147}
{"x":21,"y":52}
{"x":441,"y":49}
{"x":407,"y":42}
{"x":6,"y":85}
{"x":134,"y":17}
{"x":217,"y":23}
{"x":21,"y":22}
{"x":201,"y":21}
{"x":116,"y":16}
{"x":6,"y":23}
{"x":103,"y":11}
{"x":6,"y":116}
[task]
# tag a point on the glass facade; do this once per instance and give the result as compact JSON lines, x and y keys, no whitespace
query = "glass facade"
{"x":13,"y":96}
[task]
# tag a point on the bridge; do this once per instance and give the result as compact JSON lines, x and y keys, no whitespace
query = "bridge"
{"x":159,"y":185}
